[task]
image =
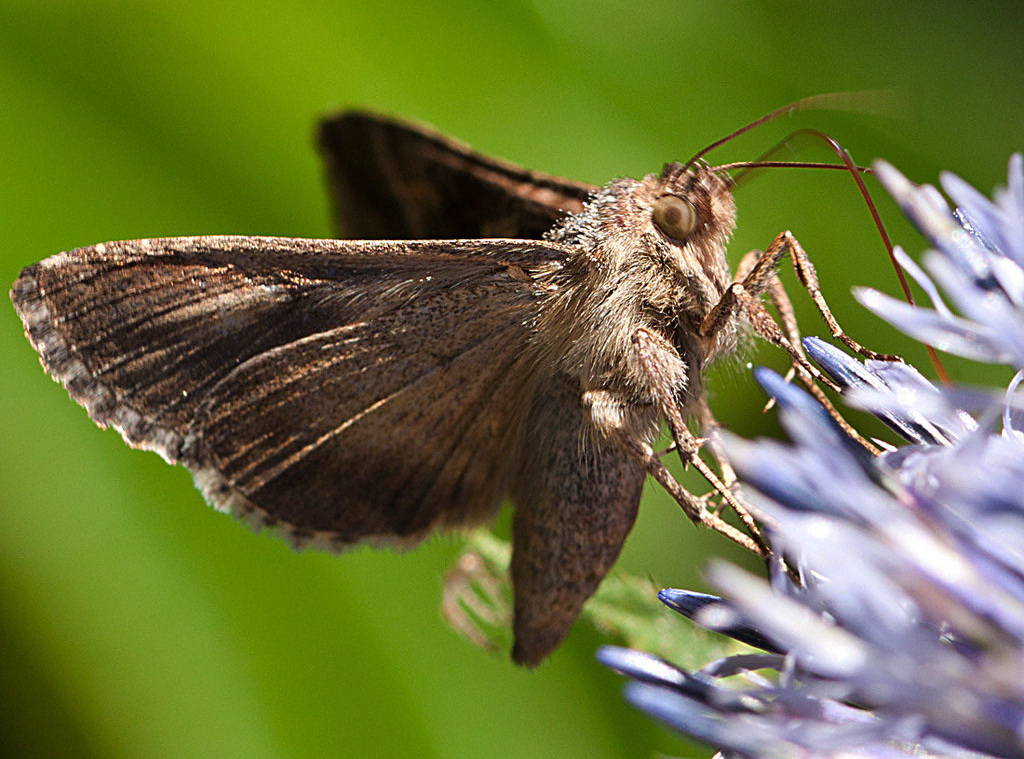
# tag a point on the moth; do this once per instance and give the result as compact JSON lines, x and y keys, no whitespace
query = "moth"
{"x":493,"y":333}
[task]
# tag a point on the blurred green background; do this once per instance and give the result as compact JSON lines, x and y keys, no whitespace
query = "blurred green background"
{"x":134,"y":621}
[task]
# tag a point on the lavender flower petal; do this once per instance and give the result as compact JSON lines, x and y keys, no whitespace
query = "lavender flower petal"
{"x":950,"y":334}
{"x":715,"y":614}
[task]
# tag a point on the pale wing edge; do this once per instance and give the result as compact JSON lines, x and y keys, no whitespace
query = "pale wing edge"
{"x":61,"y":363}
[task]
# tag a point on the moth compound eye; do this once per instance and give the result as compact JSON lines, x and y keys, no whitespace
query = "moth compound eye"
{"x":674,"y":216}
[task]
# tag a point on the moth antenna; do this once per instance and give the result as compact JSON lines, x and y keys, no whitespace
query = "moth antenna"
{"x":866,"y":101}
{"x":855,"y":171}
{"x":746,"y":167}
{"x":844,"y":156}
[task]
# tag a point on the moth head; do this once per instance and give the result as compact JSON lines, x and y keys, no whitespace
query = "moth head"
{"x":666,"y":235}
{"x":685,"y":217}
{"x":671,"y":226}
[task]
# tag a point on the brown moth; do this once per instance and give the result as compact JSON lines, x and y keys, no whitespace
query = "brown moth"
{"x":513,"y":335}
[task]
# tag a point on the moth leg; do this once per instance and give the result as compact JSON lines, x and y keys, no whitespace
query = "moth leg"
{"x":758,"y":279}
{"x":609,"y":411}
{"x":710,"y":427}
{"x":742,"y":297}
{"x":778,"y":295}
{"x":657,"y":356}
{"x":808,"y":278}
{"x":759,"y":270}
{"x":783,"y":307}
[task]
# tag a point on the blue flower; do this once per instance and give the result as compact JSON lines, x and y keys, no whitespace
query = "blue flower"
{"x":978,"y":260}
{"x":905,"y":632}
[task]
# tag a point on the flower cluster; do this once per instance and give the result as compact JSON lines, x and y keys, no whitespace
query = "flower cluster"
{"x":904,"y":632}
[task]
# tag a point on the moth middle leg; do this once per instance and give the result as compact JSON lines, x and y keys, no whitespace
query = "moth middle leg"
{"x":611,"y":412}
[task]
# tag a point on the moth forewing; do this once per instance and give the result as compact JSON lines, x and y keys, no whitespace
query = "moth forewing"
{"x":342,"y":391}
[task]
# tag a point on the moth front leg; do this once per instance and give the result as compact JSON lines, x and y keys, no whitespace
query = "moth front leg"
{"x":742,"y":295}
{"x":757,"y":274}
